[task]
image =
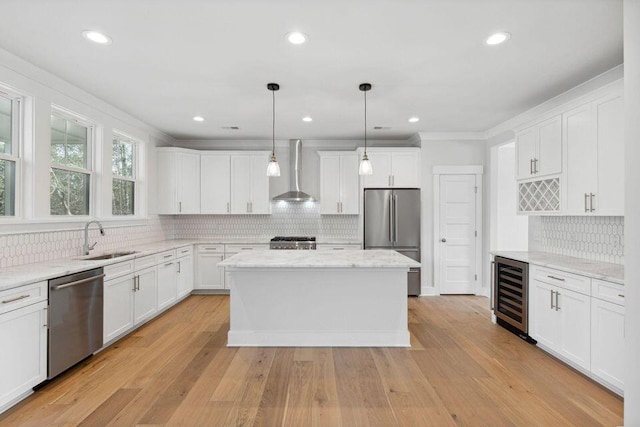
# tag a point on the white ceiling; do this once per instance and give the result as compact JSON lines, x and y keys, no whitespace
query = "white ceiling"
{"x":171,"y":60}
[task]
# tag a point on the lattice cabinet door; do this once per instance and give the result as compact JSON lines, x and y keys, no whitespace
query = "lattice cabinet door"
{"x":539,"y":196}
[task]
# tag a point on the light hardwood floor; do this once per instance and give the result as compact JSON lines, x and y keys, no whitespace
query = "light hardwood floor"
{"x":460,"y":370}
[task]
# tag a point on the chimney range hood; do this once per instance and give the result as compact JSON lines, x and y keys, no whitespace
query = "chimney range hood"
{"x":295,"y":161}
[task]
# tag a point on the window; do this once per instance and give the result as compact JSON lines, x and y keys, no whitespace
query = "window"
{"x":71,"y":142}
{"x":124,"y":175}
{"x":9,"y":110}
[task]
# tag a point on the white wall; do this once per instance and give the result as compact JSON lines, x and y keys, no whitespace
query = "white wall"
{"x":632,"y":210}
{"x":43,"y":89}
{"x":512,"y":230}
{"x":441,"y":153}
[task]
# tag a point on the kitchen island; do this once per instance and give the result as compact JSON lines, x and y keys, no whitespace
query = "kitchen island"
{"x":319,"y":298}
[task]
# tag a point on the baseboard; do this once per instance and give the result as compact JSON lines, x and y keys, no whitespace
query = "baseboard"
{"x":318,"y":339}
{"x":428,"y":292}
{"x":210,"y":292}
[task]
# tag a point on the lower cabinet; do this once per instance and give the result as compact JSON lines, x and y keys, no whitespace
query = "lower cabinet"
{"x":167,"y":284}
{"x":23,"y":351}
{"x":209,"y":275}
{"x":607,"y":341}
{"x":118,"y":306}
{"x":184,"y":276}
{"x":145,"y":300}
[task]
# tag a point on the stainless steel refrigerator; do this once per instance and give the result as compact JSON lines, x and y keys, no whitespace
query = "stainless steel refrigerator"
{"x":392,"y":221}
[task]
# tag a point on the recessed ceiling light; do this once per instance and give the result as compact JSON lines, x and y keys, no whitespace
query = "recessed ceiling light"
{"x":307,"y":119}
{"x":497,"y":38}
{"x":414,"y":119}
{"x":96,"y":37}
{"x":297,"y":37}
{"x":198,"y":119}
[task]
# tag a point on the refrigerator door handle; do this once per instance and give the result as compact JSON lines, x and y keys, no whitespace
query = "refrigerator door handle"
{"x":390,"y":219}
{"x":395,"y":218}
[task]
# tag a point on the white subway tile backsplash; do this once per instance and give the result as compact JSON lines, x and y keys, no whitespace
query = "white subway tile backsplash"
{"x":599,"y":238}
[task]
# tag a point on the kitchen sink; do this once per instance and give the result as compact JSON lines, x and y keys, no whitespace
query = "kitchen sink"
{"x":109,"y":256}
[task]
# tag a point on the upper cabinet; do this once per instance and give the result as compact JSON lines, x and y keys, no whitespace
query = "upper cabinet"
{"x":249,"y":183}
{"x":539,"y":149}
{"x":215,"y":183}
{"x":594,"y":143}
{"x":339,"y":188}
{"x":178,"y":181}
{"x":393,"y":168}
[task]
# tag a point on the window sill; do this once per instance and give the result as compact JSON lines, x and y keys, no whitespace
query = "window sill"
{"x":17,"y":225}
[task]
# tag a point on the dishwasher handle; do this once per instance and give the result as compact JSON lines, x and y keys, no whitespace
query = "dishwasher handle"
{"x":77,"y":282}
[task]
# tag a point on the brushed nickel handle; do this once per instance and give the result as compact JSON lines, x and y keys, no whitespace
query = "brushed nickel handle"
{"x":556,"y":278}
{"x":179,"y":267}
{"x":621,"y":295}
{"x":551,"y":299}
{"x":46,"y":317}
{"x":179,"y":206}
{"x":390,"y":213}
{"x":389,"y":180}
{"x":393,"y":180}
{"x":586,"y":198}
{"x":168,"y":264}
{"x":531,"y":166}
{"x":168,"y":256}
{"x":7,"y":301}
{"x":77,"y":282}
{"x":591,"y":196}
{"x":246,"y":249}
{"x":227,"y":207}
{"x":557,"y":295}
{"x":395,"y":217}
{"x":535,"y":166}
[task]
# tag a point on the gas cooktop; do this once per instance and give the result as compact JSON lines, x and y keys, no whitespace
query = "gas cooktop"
{"x":293,"y":242}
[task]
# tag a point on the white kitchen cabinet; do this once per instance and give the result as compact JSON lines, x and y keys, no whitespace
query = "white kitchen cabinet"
{"x":146,"y":294}
{"x":575,"y":320}
{"x":23,"y":351}
{"x":215,"y":183}
{"x":339,"y":183}
{"x":234,"y":248}
{"x":184,"y":277}
{"x":539,"y":149}
{"x":118,"y":306}
{"x":249,"y":183}
{"x":167,"y":285}
{"x":594,"y":143}
{"x":178,"y":181}
{"x":392,"y":168}
{"x":607,"y":341}
{"x":208,"y":274}
{"x":543,"y":319}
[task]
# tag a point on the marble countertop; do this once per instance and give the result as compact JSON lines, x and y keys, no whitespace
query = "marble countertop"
{"x":320,"y":259}
{"x":596,"y":269}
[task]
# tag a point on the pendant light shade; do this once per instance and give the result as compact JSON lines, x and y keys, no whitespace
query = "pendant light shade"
{"x":273,"y":168}
{"x":365,"y":163}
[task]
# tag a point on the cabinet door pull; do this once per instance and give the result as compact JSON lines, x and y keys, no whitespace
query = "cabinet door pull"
{"x":535,"y":166}
{"x":168,"y":264}
{"x":338,"y":207}
{"x":247,"y":207}
{"x":557,"y":295}
{"x":46,"y":318}
{"x":531,"y":166}
{"x":586,"y":200}
{"x":621,"y":295}
{"x":551,"y":300}
{"x":591,"y":208}
{"x":179,"y":266}
{"x":7,"y":301}
{"x":393,"y":180}
{"x":168,"y":256}
{"x":389,"y":180}
{"x":179,"y":206}
{"x":227,"y":207}
{"x":135,"y":287}
{"x":556,"y":278}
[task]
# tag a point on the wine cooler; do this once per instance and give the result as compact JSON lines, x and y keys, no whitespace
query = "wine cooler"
{"x":510,"y":302}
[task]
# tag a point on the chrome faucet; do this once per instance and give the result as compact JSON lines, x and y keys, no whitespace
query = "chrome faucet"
{"x":86,"y":248}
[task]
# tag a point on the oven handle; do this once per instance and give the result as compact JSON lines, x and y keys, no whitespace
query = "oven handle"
{"x":77,"y":282}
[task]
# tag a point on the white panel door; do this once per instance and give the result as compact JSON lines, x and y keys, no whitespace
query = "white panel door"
{"x":240,"y":184}
{"x":526,"y":152}
{"x":215,"y":184}
{"x":549,"y":157}
{"x":349,"y":185}
{"x":381,"y":165}
{"x":457,"y":234}
{"x":405,"y":170}
{"x":188,"y":183}
{"x":145,"y":297}
{"x":543,"y":318}
{"x":167,"y":289}
{"x":330,"y":171}
{"x":118,"y":307}
{"x":609,"y":198}
{"x":259,"y":185}
{"x":575,"y":326}
{"x":607,"y":341}
{"x":582,"y":160}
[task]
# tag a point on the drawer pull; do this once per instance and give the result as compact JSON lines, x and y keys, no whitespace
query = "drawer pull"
{"x":556,"y":278}
{"x":621,"y":295}
{"x":168,"y":264}
{"x":185,"y":251}
{"x":247,"y":249}
{"x":168,"y":256}
{"x":7,"y":301}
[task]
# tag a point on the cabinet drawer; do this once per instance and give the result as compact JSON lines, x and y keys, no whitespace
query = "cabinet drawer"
{"x":23,"y":296}
{"x":120,"y":269}
{"x":166,"y":256}
{"x":210,"y":248}
{"x":184,"y":251}
{"x":235,"y":248}
{"x":562,"y":279}
{"x":144,"y":262}
{"x":607,"y":291}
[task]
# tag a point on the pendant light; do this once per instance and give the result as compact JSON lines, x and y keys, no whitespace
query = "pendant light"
{"x":365,"y":164}
{"x":273,"y":168}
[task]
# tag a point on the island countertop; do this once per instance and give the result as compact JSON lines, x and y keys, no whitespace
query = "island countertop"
{"x":376,"y":258}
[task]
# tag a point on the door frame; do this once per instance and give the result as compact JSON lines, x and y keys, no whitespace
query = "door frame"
{"x":438,"y":171}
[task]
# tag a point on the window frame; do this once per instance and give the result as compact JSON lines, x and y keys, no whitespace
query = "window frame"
{"x":123,"y":137}
{"x":17,"y":117}
{"x":90,"y":171}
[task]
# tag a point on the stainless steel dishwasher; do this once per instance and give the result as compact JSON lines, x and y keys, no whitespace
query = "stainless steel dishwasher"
{"x":75,"y":319}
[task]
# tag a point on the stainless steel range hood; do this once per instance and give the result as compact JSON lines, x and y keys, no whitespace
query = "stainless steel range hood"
{"x":295,"y":161}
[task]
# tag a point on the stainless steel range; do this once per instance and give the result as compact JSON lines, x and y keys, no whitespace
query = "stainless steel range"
{"x":293,"y":242}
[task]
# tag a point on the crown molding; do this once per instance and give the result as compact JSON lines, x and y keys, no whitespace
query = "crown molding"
{"x":452,"y":136}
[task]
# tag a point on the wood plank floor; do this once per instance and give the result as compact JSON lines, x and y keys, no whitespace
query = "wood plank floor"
{"x":460,"y":370}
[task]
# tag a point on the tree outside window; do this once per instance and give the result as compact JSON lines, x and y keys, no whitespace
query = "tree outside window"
{"x":124,"y":175}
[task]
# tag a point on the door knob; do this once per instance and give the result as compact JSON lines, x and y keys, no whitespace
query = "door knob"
{"x":443,"y":240}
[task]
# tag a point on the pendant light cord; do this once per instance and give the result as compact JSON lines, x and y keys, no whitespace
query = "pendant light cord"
{"x":273,"y":124}
{"x":365,"y":122}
